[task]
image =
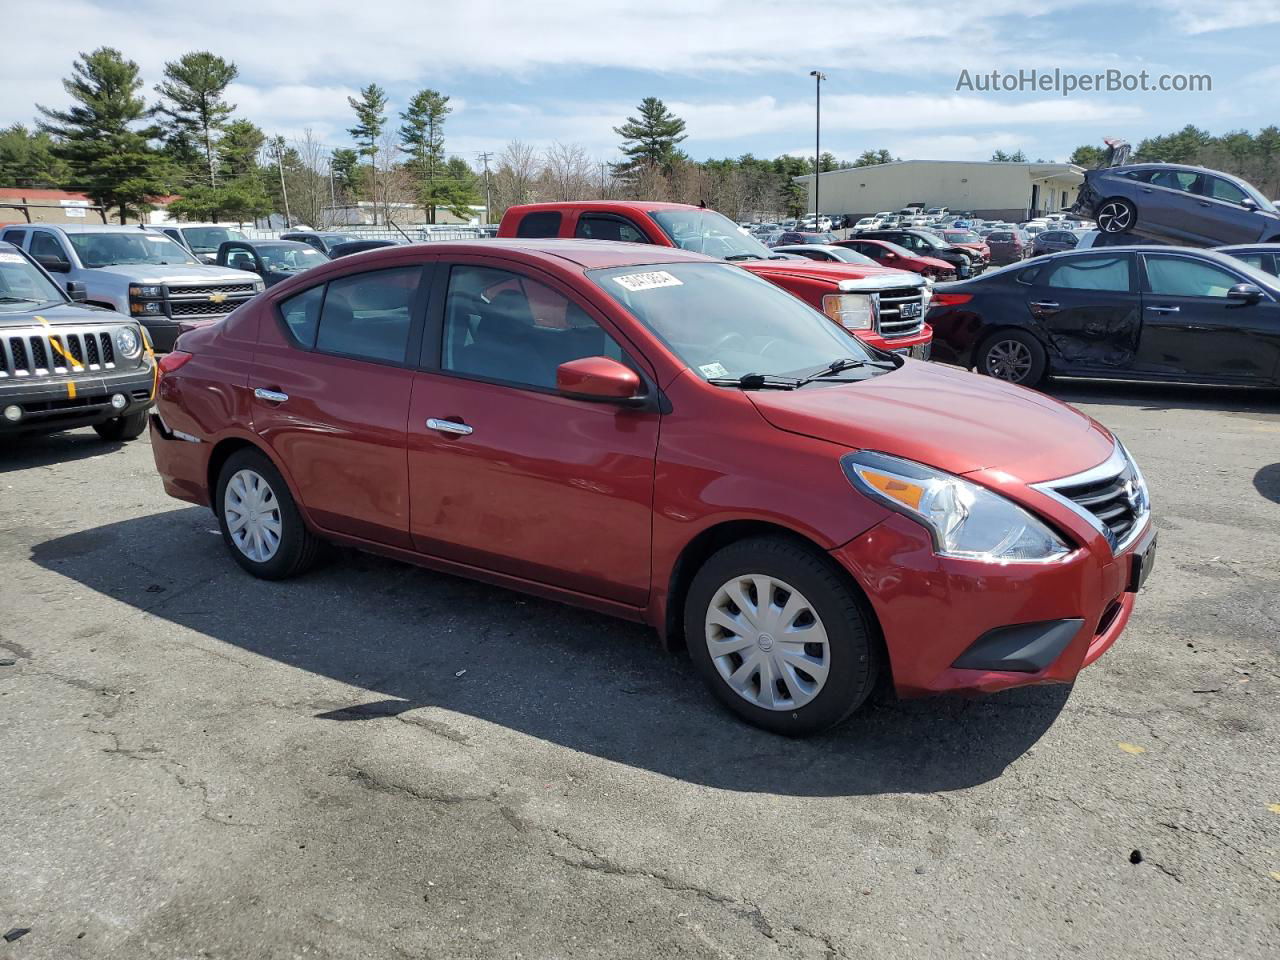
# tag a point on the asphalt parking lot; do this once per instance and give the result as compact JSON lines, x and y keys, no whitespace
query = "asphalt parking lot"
{"x":376,"y":761}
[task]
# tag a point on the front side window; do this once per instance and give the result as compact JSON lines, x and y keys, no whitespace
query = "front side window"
{"x":593,"y":226}
{"x":290,"y":257}
{"x":1183,"y":277}
{"x":1221,"y":189}
{"x":725,"y":323}
{"x":500,"y":325}
{"x":1090,"y":273}
{"x":368,"y":315}
{"x":144,"y":246}
{"x":44,"y":245}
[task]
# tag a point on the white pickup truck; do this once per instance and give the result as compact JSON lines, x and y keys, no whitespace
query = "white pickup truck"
{"x":137,"y":272}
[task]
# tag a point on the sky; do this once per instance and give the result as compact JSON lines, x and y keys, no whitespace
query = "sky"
{"x":737,"y":71}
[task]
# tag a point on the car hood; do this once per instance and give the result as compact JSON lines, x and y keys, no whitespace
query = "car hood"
{"x":59,"y":313}
{"x":834,"y":272}
{"x":176,"y":273}
{"x":947,"y":418}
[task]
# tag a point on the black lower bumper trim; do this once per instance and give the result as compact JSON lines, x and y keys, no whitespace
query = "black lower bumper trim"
{"x":1022,"y":648}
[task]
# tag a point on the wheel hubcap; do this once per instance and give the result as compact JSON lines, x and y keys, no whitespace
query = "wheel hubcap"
{"x":767,"y":642}
{"x":1113,"y":218}
{"x":1009,"y":360}
{"x":252,"y":516}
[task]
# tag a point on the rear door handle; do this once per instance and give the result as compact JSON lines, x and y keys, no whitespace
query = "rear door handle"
{"x":271,"y":396}
{"x":1165,"y":309}
{"x":449,"y":426}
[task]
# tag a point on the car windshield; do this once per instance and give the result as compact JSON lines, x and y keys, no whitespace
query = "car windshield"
{"x":109,"y":249}
{"x":289,"y":257}
{"x":726,"y":323}
{"x":705,"y":231}
{"x":21,"y":284}
{"x":208,"y":239}
{"x":849,"y":256}
{"x":894,"y":248}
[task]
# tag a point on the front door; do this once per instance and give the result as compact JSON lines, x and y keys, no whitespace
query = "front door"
{"x":330,"y":387}
{"x":1221,"y":216}
{"x":505,"y":473}
{"x":1191,"y":327}
{"x":1090,"y":308}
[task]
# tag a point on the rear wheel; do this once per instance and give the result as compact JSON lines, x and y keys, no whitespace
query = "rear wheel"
{"x":128,"y":427}
{"x":1116,"y":216}
{"x":1014,"y":356}
{"x":779,"y":637}
{"x":260,"y":522}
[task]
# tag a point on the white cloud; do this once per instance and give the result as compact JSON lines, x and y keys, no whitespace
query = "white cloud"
{"x":1196,"y":16}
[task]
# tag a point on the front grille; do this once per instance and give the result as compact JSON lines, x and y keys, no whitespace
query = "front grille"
{"x":206,"y":290}
{"x":195,"y":308}
{"x":207,"y":300}
{"x":1112,"y":495}
{"x":891,"y":323}
{"x":55,"y":351}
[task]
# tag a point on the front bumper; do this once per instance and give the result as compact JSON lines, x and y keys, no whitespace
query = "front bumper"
{"x":936,"y":612}
{"x":916,"y":344}
{"x":81,"y":400}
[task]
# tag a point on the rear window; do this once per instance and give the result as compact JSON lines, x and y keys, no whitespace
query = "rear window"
{"x":1001,"y":236}
{"x":544,"y":223}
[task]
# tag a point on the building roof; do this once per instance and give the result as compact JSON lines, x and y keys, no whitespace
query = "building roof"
{"x":32,"y":194}
{"x":1034,"y":169}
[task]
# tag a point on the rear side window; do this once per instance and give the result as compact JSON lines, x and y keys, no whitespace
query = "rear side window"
{"x":14,"y":237}
{"x":544,"y":223}
{"x":1090,"y":273}
{"x":301,"y":314}
{"x":368,"y":315}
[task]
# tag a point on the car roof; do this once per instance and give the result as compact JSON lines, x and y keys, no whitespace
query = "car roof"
{"x":1189,"y":168}
{"x":606,"y":204}
{"x":79,"y":227}
{"x":587,"y":254}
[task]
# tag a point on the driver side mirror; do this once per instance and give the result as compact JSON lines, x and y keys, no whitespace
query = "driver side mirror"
{"x":76,"y":291}
{"x":1247,"y":292}
{"x":890,"y":255}
{"x":1249,"y":203}
{"x":599,"y":379}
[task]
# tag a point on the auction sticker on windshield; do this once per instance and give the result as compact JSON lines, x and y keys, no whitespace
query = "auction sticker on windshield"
{"x":713,"y":370}
{"x":11,"y":258}
{"x":647,"y":281}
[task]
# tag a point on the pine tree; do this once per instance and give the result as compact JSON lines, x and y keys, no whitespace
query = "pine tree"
{"x":649,"y":141}
{"x":193,"y":101}
{"x":239,"y":147}
{"x":371,"y":117}
{"x":27,"y":159}
{"x":422,"y":138}
{"x":109,"y":156}
{"x":345,"y":165}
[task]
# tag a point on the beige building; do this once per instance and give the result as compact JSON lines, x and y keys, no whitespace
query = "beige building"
{"x":993,"y":190}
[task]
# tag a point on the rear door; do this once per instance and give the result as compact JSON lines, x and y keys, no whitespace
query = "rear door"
{"x":331,"y":385}
{"x":1191,"y":328}
{"x":1169,"y":201}
{"x":1089,"y":307}
{"x":505,"y":473}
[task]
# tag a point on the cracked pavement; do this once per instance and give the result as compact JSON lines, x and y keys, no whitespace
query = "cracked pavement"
{"x":198,"y":764}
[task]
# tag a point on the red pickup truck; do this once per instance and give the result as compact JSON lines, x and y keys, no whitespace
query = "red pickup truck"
{"x":880,"y":306}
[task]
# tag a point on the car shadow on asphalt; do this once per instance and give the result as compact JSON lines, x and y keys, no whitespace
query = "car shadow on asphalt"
{"x":1164,"y":396}
{"x":1267,"y":482}
{"x":406,"y":638}
{"x":43,"y":450}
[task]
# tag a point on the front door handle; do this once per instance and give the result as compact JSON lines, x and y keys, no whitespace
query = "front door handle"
{"x":1044,"y":304}
{"x":449,"y":426}
{"x":271,"y":396}
{"x":1204,"y":203}
{"x":1165,"y":309}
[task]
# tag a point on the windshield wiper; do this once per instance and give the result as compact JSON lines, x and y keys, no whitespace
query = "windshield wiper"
{"x":831,"y":369}
{"x":756,"y":381}
{"x":743,"y":256}
{"x":21,"y":300}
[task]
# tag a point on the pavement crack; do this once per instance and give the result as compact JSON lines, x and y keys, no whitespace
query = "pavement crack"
{"x":377,"y":784}
{"x":1202,"y":832}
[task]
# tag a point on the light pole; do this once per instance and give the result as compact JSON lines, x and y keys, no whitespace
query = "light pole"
{"x":818,"y":77}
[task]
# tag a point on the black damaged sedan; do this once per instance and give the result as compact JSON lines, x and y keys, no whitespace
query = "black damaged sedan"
{"x":1131,"y":313}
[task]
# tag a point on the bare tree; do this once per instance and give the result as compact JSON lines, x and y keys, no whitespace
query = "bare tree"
{"x":308,"y":183}
{"x":516,"y":179}
{"x":569,"y":173}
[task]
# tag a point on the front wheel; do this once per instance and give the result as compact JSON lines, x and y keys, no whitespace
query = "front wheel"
{"x":1014,"y":356}
{"x":128,"y":427}
{"x":779,"y":637}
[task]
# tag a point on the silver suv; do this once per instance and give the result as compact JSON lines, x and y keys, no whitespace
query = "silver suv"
{"x":138,"y":273}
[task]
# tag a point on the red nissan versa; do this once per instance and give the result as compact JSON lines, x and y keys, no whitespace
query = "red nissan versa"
{"x":668,"y":438}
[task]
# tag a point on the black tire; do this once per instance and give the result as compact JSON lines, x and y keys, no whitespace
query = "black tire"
{"x":995,"y":355}
{"x":853,"y":645}
{"x":297,"y":547}
{"x":1116,"y":215}
{"x":128,"y":427}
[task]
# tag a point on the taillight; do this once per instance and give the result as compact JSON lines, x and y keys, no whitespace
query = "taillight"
{"x":950,"y":299}
{"x":172,"y":361}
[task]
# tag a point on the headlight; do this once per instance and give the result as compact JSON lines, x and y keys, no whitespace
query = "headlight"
{"x":853,"y":311}
{"x":967,"y":521}
{"x":146,"y":292}
{"x":259,"y":286}
{"x":151,"y":308}
{"x":127,"y":342}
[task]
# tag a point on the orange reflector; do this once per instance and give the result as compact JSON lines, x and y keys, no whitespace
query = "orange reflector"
{"x":905,"y":493}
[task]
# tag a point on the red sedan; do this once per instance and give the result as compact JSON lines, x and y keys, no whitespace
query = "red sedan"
{"x":900,"y":258}
{"x":667,"y":438}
